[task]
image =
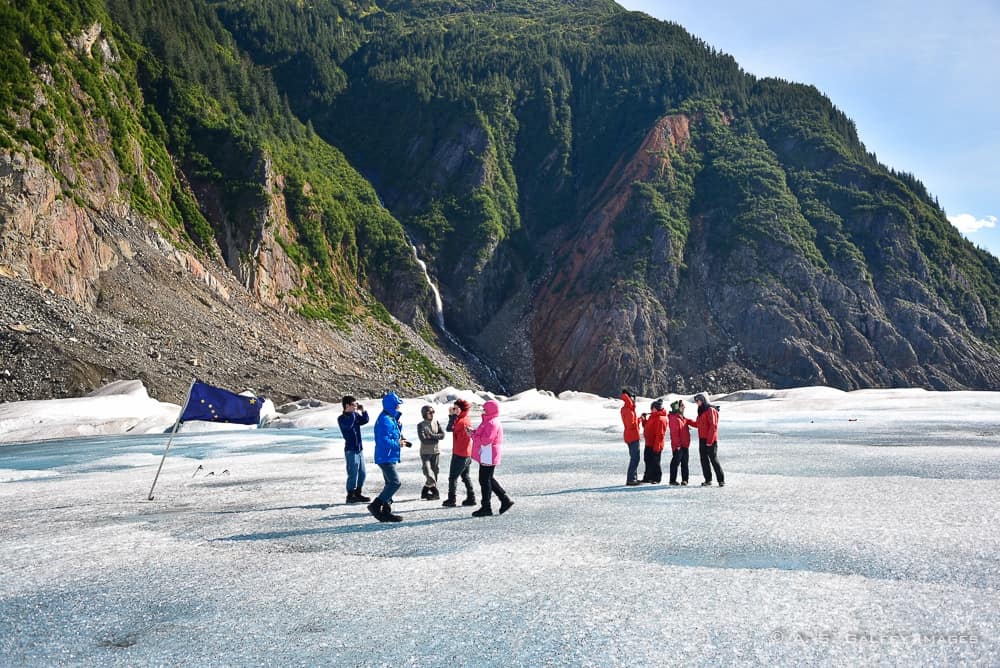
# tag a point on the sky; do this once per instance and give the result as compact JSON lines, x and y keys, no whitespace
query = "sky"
{"x":843,"y":536}
{"x":920,"y":79}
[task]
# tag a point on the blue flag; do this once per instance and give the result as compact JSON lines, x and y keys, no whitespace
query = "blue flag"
{"x":214,"y":404}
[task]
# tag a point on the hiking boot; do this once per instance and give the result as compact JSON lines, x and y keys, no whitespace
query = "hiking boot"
{"x":352,"y":497}
{"x":485,"y":511}
{"x":375,"y":508}
{"x":433,"y":494}
{"x":387,"y":515}
{"x":505,"y":505}
{"x":470,"y":500}
{"x":633,"y":483}
{"x":449,"y":502}
{"x":674,"y":483}
{"x":707,"y":484}
{"x":722,"y":484}
{"x":425,"y":493}
{"x":361,"y":497}
{"x":684,"y":482}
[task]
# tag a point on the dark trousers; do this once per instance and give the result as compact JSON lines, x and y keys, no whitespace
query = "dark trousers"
{"x":653,"y":471}
{"x":488,"y":484}
{"x":710,"y":460}
{"x":679,"y":458}
{"x":633,"y":461}
{"x":459,"y":467}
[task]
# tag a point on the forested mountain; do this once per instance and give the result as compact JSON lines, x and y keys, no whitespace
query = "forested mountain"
{"x":604,"y":199}
{"x":154,"y":177}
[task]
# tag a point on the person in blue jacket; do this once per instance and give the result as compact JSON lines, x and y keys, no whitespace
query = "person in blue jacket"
{"x":388,"y":440}
{"x":350,"y":421}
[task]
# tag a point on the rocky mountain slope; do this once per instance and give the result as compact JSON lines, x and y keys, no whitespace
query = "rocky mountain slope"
{"x":604,"y":200}
{"x":91,"y":295}
{"x":132,"y":249}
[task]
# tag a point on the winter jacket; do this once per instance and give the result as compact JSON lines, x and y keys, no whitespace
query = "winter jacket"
{"x":680,"y":435}
{"x":430,"y":434}
{"x":489,"y":434}
{"x":350,"y":427}
{"x":707,"y":422}
{"x":629,"y":419}
{"x":461,"y":443}
{"x":387,"y":432}
{"x":654,"y":429}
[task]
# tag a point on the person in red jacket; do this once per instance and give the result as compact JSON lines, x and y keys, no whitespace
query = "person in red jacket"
{"x":459,"y":425}
{"x":654,"y":429}
{"x":631,"y":423}
{"x":708,"y":441}
{"x":680,"y":441}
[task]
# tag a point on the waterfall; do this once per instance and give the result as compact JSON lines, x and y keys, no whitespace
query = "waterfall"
{"x":438,"y":304}
{"x":439,"y":316}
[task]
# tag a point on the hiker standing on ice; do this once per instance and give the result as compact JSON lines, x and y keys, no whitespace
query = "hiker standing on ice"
{"x":487,"y":443}
{"x":430,"y":434}
{"x":350,"y":422}
{"x":631,"y":423}
{"x":654,"y":430}
{"x":461,"y":453}
{"x":708,"y":441}
{"x":388,"y":440}
{"x":680,"y":441}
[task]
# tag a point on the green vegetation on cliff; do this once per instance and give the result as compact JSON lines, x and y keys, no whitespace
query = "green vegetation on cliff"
{"x":186,"y":112}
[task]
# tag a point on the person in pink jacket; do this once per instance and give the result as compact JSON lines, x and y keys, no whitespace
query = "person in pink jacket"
{"x":487,"y":445}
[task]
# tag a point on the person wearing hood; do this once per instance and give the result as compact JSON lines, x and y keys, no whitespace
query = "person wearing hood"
{"x":487,"y":446}
{"x":654,"y":429}
{"x":708,"y":441}
{"x":430,"y":434}
{"x":388,"y":440}
{"x":631,"y":423}
{"x":680,"y":441}
{"x":461,"y":453}
{"x":350,"y":422}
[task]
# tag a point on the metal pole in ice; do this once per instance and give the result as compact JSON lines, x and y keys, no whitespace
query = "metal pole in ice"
{"x":170,"y":440}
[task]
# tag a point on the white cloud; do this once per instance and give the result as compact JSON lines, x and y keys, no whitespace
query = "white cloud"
{"x":967,"y":223}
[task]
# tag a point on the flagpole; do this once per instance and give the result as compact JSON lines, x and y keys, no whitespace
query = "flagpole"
{"x":171,"y":440}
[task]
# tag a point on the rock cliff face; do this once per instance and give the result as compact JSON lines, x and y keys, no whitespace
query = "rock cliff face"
{"x":590,"y":326}
{"x":96,"y":295}
{"x":48,"y":238}
{"x":94,"y":289}
{"x":762,"y":313}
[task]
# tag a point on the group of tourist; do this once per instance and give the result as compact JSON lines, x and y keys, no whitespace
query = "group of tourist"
{"x":654,"y":426}
{"x":483,"y":444}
